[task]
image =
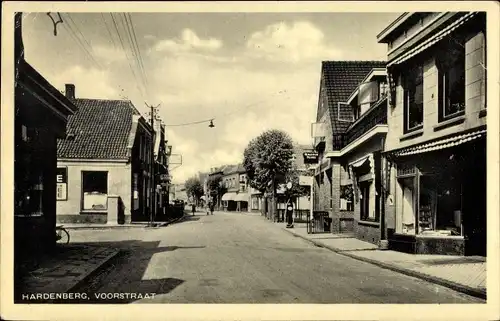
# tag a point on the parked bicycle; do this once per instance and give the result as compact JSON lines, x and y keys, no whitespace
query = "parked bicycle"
{"x":62,"y":235}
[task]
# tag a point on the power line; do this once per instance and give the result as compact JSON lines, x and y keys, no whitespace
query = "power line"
{"x":134,"y":51}
{"x":137,"y":46}
{"x":109,"y":31}
{"x":81,"y":44}
{"x":125,"y":51}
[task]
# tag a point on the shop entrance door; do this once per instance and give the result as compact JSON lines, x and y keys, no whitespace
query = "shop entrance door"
{"x":474,"y":201}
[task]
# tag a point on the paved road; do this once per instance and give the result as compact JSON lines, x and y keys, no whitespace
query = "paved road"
{"x":242,"y":258}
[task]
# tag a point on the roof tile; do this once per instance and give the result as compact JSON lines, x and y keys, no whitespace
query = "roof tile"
{"x":341,"y":79}
{"x":101,"y":128}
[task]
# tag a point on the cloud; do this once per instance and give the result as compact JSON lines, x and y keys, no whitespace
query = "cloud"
{"x":296,"y":42}
{"x":108,"y":54}
{"x":244,"y":102}
{"x":90,"y":83}
{"x":187,"y":41}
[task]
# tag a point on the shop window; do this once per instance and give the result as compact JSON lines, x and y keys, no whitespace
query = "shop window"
{"x":346,"y":198}
{"x":414,"y":99}
{"x":440,"y":205}
{"x":28,"y":172}
{"x":406,"y":212}
{"x":364,"y":201}
{"x":95,"y":190}
{"x":451,"y":70}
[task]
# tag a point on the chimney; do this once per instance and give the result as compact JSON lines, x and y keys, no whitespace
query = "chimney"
{"x":70,"y":91}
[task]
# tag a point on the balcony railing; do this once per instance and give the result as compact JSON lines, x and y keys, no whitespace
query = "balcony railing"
{"x":376,"y":115}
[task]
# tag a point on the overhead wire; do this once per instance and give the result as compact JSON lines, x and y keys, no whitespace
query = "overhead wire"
{"x":138,"y":49}
{"x":125,"y":52}
{"x":81,"y":44}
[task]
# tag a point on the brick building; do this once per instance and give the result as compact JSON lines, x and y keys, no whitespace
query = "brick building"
{"x":436,"y":144}
{"x":334,"y":123}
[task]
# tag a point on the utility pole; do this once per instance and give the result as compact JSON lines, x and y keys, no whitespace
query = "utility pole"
{"x":153,"y":114}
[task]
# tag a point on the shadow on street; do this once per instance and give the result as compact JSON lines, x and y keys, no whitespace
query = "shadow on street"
{"x":124,"y":274}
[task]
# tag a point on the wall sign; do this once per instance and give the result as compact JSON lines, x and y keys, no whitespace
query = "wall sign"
{"x":62,"y":183}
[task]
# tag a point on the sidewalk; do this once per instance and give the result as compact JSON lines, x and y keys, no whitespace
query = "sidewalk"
{"x":62,"y":272}
{"x":76,"y":226}
{"x":463,"y":274}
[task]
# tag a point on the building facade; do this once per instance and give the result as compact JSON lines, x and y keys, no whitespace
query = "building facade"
{"x":337,"y":133}
{"x":41,"y":115}
{"x":237,"y":197}
{"x":105,"y":163}
{"x":435,"y":158}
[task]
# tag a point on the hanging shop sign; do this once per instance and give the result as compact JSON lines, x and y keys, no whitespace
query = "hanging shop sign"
{"x":311,"y":157}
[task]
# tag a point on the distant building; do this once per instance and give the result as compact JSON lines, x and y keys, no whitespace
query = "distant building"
{"x":237,"y":196}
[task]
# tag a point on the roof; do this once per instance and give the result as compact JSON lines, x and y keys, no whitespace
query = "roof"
{"x":29,"y":76}
{"x":231,"y":169}
{"x":341,"y":78}
{"x":101,"y":128}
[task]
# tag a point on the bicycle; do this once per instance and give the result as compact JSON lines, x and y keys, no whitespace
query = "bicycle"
{"x":62,"y":235}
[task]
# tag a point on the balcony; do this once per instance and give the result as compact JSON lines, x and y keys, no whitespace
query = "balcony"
{"x":376,"y":115}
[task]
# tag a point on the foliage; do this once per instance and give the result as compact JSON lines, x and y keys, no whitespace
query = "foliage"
{"x":194,"y":188}
{"x":267,"y":158}
{"x":296,"y":190}
{"x":215,"y":186}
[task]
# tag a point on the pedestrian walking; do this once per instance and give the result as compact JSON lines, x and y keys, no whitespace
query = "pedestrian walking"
{"x":193,"y":208}
{"x":212,"y":206}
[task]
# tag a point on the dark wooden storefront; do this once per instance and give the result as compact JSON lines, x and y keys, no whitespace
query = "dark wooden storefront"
{"x":463,"y":167}
{"x":40,"y":119}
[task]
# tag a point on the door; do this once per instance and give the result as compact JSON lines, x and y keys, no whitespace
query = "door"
{"x":474,"y":201}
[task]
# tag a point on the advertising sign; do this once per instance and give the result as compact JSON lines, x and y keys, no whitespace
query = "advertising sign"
{"x":62,"y":183}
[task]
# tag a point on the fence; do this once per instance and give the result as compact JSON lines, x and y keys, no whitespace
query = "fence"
{"x":301,"y":216}
{"x":320,"y":223}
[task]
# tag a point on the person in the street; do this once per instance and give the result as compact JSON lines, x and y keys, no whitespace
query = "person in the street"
{"x":193,"y":208}
{"x":212,"y":206}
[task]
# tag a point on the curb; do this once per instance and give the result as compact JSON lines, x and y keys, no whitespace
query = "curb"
{"x":108,"y":260}
{"x":429,"y":278}
{"x":102,"y":227}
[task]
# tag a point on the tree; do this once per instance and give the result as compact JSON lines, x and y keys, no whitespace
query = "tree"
{"x":268,"y":160}
{"x":216,"y":187}
{"x":194,"y":188}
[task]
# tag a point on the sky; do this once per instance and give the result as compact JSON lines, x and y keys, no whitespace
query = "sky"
{"x":248,"y":71}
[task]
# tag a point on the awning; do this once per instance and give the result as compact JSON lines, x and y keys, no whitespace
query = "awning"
{"x":441,"y":144}
{"x":361,"y":162}
{"x":432,"y":40}
{"x":228,"y":196}
{"x":241,"y":197}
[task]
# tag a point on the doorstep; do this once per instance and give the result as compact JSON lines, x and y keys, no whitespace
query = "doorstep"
{"x":463,"y":274}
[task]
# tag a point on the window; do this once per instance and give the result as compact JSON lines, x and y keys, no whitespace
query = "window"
{"x":346,"y":198}
{"x":29,"y":176}
{"x":440,"y":205}
{"x":451,"y":68}
{"x":95,"y":190}
{"x":414,"y":99}
{"x":364,"y":201}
